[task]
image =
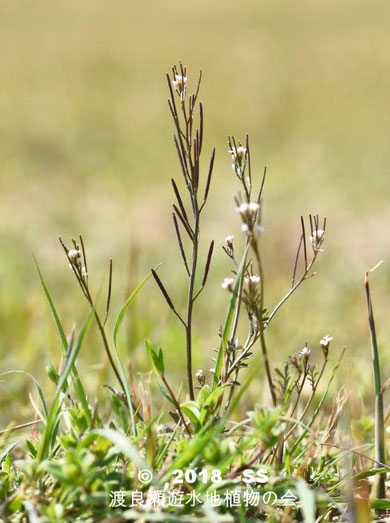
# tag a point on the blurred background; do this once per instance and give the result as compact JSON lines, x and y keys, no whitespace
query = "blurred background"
{"x":86,"y":147}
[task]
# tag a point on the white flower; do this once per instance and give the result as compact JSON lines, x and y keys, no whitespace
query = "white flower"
{"x":180,"y":84}
{"x":326,"y":341}
{"x":244,"y":227}
{"x":248,"y":208}
{"x":200,"y":376}
{"x":317,"y":238}
{"x":179,"y":81}
{"x":242,"y":208}
{"x":229,"y":241}
{"x":254,"y":279}
{"x":305,"y":352}
{"x":227,"y":283}
{"x":238,"y":153}
{"x":74,"y":256}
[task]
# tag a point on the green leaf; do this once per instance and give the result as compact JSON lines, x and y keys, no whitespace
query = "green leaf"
{"x":210,"y":402}
{"x":61,"y":333}
{"x":204,"y":393}
{"x":121,"y":369}
{"x":191,"y":410}
{"x":7,"y":450}
{"x":50,"y":431}
{"x":128,"y":302}
{"x":156,"y":357}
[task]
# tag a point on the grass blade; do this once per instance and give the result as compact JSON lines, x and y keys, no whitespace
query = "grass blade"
{"x":128,"y":302}
{"x":61,"y":333}
{"x":121,"y":370}
{"x":39,"y":389}
{"x":49,"y":433}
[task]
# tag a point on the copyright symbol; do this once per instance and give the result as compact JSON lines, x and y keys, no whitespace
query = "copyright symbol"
{"x":145,"y":476}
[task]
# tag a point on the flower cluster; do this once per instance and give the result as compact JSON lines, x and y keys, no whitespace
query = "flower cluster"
{"x":180,"y":85}
{"x":248,"y":213}
{"x":77,"y":261}
{"x":74,"y":257}
{"x":317,"y":238}
{"x":240,"y":158}
{"x":317,"y":230}
{"x":304,"y":353}
{"x":252,"y":280}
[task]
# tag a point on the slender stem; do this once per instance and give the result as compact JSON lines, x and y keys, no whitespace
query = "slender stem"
{"x":293,"y":289}
{"x":261,"y":322}
{"x":177,"y":405}
{"x":190,"y":302}
{"x":107,"y":349}
{"x":380,"y":451}
{"x":299,"y":392}
{"x":309,"y":401}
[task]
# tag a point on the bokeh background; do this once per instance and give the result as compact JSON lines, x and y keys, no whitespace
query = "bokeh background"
{"x":86,"y":147}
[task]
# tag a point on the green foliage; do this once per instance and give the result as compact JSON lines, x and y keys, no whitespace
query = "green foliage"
{"x":79,"y":450}
{"x":156,"y":358}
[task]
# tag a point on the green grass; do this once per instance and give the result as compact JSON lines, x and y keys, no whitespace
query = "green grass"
{"x":86,"y":148}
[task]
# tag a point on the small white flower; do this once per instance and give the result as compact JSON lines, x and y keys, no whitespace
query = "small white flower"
{"x":200,"y":376}
{"x":243,"y":208}
{"x":84,"y":272}
{"x":305,"y":352}
{"x":244,"y":227}
{"x":326,"y":340}
{"x":254,"y":279}
{"x":229,"y":241}
{"x":179,"y":81}
{"x":180,"y":85}
{"x":248,"y":208}
{"x":227,"y":283}
{"x":74,"y":256}
{"x":317,"y":238}
{"x":238,"y":153}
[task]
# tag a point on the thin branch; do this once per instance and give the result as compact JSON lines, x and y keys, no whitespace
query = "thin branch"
{"x":108,"y":294}
{"x":296,"y":261}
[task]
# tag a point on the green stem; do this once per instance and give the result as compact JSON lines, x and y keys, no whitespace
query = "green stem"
{"x":380,"y":451}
